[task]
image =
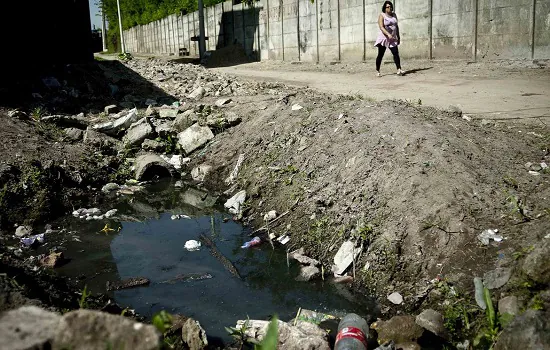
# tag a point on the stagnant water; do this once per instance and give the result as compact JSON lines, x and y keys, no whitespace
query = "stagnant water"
{"x":146,"y":242}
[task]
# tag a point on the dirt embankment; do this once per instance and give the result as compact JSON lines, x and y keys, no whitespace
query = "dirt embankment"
{"x":411,"y":186}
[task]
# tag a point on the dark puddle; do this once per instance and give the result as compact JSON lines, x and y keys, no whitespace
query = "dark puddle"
{"x":146,"y":242}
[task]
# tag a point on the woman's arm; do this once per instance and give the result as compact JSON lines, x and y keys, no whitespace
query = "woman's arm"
{"x":381,"y":26}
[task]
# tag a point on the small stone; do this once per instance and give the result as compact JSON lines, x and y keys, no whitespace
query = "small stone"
{"x":308,"y":273}
{"x":23,"y":231}
{"x":197,"y":94}
{"x":508,"y":305}
{"x":232,"y":118}
{"x":400,"y":329}
{"x":395,"y":298}
{"x":433,"y":321}
{"x":74,"y":134}
{"x":111,"y":186}
{"x":52,"y":260}
{"x":222,"y":101}
{"x":193,"y":335}
{"x":111,"y":109}
{"x":497,"y":278}
{"x":178,"y":184}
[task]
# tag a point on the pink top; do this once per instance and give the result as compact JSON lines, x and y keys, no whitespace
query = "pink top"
{"x":390,"y":24}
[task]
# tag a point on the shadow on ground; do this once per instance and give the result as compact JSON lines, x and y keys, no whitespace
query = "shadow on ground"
{"x":75,"y":88}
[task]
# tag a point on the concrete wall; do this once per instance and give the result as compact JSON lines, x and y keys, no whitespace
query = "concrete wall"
{"x":345,"y":30}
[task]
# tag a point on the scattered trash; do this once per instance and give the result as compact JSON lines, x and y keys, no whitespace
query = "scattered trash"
{"x":235,"y":203}
{"x":192,"y":245}
{"x":395,"y":298}
{"x":33,"y":240}
{"x":185,"y":277}
{"x":296,"y":107}
{"x":111,"y":213}
{"x":255,"y":241}
{"x":179,"y":216}
{"x":467,"y":118}
{"x":352,"y":333}
{"x":272,"y":214}
{"x":486,"y":236}
{"x":233,"y":176}
{"x":534,"y":173}
{"x":52,"y":260}
{"x":283,"y":239}
{"x":344,"y":257}
{"x":480,"y":300}
{"x":176,"y":160}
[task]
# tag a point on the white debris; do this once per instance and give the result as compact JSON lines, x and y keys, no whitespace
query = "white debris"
{"x":344,"y":257}
{"x":486,"y":236}
{"x":233,"y":176}
{"x":283,"y":239}
{"x":192,"y":245}
{"x":179,"y":216}
{"x":176,"y":160}
{"x":272,"y":214}
{"x":296,"y":107}
{"x":535,"y":173}
{"x":111,"y":213}
{"x":234,"y":204}
{"x":395,"y":298}
{"x":467,"y":118}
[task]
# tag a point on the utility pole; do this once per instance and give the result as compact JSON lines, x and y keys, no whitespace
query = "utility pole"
{"x":103,"y":31}
{"x":202,"y":42}
{"x":122,"y":46}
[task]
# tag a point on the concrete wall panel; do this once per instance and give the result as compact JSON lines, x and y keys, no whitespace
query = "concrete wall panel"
{"x":453,"y":29}
{"x":290,"y":30}
{"x":329,"y":39}
{"x":542,"y":30}
{"x":308,"y":31}
{"x":414,"y":22}
{"x":352,"y":43}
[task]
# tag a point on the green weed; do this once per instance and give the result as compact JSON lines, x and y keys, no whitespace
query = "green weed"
{"x":83,"y":302}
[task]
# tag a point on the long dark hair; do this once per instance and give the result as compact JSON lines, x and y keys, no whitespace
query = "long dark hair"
{"x":384,"y":6}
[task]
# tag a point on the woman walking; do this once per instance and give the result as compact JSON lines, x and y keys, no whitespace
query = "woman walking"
{"x":388,"y":37}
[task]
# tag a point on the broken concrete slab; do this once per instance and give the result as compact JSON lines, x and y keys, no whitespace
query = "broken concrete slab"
{"x":138,"y":132}
{"x":122,"y":122}
{"x":150,"y":165}
{"x":345,"y":256}
{"x":302,"y":259}
{"x":169,"y":113}
{"x":308,"y":273}
{"x":184,"y":120}
{"x":193,"y":335}
{"x":194,"y":137}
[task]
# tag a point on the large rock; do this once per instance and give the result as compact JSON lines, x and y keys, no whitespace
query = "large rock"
{"x":28,"y":327}
{"x":193,"y":335}
{"x":400,"y":329}
{"x":184,"y":120}
{"x":138,"y":132}
{"x":87,"y":329}
{"x":122,"y":122}
{"x":302,"y":336}
{"x":433,"y":321}
{"x":536,"y":264}
{"x":528,"y":331}
{"x":308,"y":273}
{"x":150,"y":165}
{"x":194,"y":137}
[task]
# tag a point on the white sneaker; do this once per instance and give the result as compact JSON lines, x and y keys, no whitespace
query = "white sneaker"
{"x":400,"y":72}
{"x":378,"y":74}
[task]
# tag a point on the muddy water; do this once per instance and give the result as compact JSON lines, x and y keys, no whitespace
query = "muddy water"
{"x":146,"y":242}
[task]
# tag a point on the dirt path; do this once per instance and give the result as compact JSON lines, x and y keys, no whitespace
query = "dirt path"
{"x":482,"y":90}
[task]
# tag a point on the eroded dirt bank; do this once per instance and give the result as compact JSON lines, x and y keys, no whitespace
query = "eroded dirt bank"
{"x":412,"y":187}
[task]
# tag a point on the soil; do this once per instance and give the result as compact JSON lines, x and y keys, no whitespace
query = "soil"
{"x":411,"y":184}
